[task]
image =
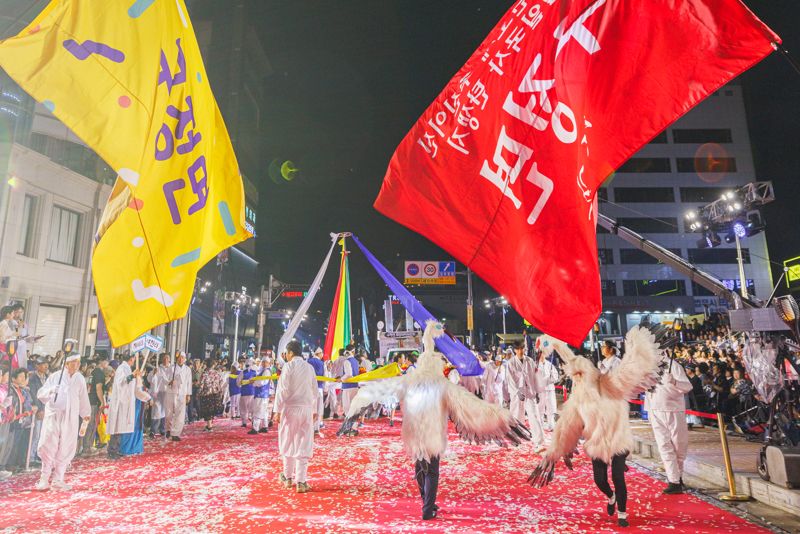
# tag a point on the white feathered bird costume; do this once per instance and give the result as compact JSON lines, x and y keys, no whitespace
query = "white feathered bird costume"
{"x":597,"y":408}
{"x":428,"y":398}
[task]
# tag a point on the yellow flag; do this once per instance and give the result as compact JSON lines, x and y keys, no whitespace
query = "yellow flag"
{"x":387,"y":371}
{"x":128,"y":79}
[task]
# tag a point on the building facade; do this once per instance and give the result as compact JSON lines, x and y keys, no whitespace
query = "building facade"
{"x":691,"y":164}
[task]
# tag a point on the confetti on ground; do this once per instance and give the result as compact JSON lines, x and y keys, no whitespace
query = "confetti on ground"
{"x":226,"y":481}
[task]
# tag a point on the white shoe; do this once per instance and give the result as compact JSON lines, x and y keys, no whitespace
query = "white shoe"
{"x":5,"y":474}
{"x":42,"y":485}
{"x":60,"y":485}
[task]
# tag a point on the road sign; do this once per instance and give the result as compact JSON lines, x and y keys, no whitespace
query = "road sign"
{"x":793,"y":273}
{"x":430,"y":272}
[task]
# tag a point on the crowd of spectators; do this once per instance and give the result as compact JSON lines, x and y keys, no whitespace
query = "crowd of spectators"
{"x":712,"y":357}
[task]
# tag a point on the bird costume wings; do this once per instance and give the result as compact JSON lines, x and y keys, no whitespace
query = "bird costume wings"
{"x":428,"y":399}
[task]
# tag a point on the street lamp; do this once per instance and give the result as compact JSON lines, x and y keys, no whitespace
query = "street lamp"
{"x":239,"y":300}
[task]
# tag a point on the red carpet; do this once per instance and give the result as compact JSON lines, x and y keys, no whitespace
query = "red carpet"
{"x":226,"y":481}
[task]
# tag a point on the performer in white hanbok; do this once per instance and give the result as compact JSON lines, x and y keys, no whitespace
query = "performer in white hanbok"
{"x":260,"y":402}
{"x":597,"y":410}
{"x":548,"y":376}
{"x":665,"y":406}
{"x":296,"y":411}
{"x":428,"y":400}
{"x":66,"y":403}
{"x":493,"y":377}
{"x":515,"y":382}
{"x":158,"y":390}
{"x":122,"y":404}
{"x":179,"y":391}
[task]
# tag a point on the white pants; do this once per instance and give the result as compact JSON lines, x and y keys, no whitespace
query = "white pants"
{"x":175,"y":414}
{"x":245,"y":408}
{"x":320,"y":409}
{"x":534,"y":421}
{"x":672,"y":438}
{"x":547,"y":408}
{"x":347,"y":396}
{"x":517,"y":408}
{"x":234,"y":406}
{"x":295,"y":469}
{"x":260,"y":413}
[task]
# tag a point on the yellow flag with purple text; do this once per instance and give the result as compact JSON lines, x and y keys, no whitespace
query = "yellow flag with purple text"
{"x":127,"y":78}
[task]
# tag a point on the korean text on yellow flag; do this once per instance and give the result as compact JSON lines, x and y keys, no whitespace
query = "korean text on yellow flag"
{"x":128,"y":79}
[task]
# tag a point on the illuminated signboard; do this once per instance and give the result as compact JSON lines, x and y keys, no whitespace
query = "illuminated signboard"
{"x":792,"y":273}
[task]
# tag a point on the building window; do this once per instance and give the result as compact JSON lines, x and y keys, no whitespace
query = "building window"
{"x":701,"y":194}
{"x":709,"y":164}
{"x":653,"y":288}
{"x":644,"y":194}
{"x":660,"y":139}
{"x":608,"y":288}
{"x":63,"y":239}
{"x":716,"y":256}
{"x":606,"y":256}
{"x":51,"y":323}
{"x":733,"y":284}
{"x":648,"y":225}
{"x":646,"y":165}
{"x":702,"y":135}
{"x":634,"y":256}
{"x":27,"y":226}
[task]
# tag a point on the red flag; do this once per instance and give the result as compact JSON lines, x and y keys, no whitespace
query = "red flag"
{"x":502,"y":170}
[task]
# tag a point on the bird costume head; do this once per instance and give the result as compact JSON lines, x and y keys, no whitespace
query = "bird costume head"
{"x":577,"y":367}
{"x":430,"y":361}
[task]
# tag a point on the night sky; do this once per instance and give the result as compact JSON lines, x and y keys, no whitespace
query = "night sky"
{"x":350,"y":79}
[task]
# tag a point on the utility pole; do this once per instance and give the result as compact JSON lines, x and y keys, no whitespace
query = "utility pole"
{"x":470,"y":309}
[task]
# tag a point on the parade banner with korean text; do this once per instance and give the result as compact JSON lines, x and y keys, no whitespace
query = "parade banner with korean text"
{"x":502,"y":170}
{"x":128,"y":79}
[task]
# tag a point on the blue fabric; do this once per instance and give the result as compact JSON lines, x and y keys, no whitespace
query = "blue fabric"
{"x":233,"y":388}
{"x":364,"y":326}
{"x":455,"y":351}
{"x":133,"y":442}
{"x":354,"y":368}
{"x":248,"y":389}
{"x":319,"y":369}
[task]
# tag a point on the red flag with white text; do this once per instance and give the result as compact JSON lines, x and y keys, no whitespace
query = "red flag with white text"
{"x":502,"y":170}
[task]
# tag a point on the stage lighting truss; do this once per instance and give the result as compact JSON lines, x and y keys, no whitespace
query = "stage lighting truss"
{"x":735,"y":214}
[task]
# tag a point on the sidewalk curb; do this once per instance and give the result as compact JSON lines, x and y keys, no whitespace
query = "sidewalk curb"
{"x":770,"y":494}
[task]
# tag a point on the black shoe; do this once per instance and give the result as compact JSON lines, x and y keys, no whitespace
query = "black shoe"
{"x":262,"y":431}
{"x":244,"y":425}
{"x":152,"y":435}
{"x":253,"y":431}
{"x":673,"y":489}
{"x":431,"y":515}
{"x":623,"y":522}
{"x":176,"y":438}
{"x":114,"y":456}
{"x":167,"y":434}
{"x":610,"y":507}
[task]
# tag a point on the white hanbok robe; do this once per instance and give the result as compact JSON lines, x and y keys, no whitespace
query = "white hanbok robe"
{"x":493,"y":378}
{"x":158,"y":390}
{"x":122,"y":405}
{"x":62,"y":420}
{"x":181,"y":378}
{"x":296,"y":401}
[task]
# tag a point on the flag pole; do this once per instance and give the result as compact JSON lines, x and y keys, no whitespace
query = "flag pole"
{"x":785,"y":53}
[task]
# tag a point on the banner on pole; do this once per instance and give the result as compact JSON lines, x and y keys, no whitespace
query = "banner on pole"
{"x":503,"y":168}
{"x":130,"y":82}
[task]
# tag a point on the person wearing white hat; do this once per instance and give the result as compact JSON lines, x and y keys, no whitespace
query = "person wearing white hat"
{"x":247,"y":390}
{"x":66,"y":402}
{"x":319,"y":368}
{"x":179,"y":391}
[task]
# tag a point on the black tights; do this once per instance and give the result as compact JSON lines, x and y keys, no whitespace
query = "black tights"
{"x":600,"y":469}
